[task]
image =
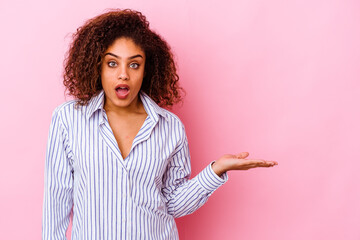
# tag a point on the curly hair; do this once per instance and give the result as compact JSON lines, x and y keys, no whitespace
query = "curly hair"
{"x":82,"y":75}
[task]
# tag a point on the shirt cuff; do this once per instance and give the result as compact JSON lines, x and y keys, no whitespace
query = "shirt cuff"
{"x":209,"y":180}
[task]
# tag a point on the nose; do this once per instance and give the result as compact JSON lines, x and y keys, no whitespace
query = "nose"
{"x":123,"y":74}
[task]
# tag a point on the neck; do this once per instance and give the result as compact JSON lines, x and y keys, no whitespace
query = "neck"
{"x":135,"y":107}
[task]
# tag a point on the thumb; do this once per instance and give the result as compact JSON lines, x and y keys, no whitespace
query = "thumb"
{"x":242,"y":155}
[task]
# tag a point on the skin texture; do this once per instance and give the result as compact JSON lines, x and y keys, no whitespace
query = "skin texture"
{"x":124,"y":63}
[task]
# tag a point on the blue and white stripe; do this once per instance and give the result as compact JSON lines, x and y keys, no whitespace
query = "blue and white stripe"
{"x":114,"y":198}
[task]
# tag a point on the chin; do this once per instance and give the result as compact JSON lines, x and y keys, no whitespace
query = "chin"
{"x":123,"y":103}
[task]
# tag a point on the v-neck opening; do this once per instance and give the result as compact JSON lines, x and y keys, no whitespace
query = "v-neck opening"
{"x":142,"y":135}
{"x":132,"y":144}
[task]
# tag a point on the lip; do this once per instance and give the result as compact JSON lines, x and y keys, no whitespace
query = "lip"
{"x":119,"y":94}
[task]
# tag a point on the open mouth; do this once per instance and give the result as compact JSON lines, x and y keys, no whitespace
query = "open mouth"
{"x":122,"y":90}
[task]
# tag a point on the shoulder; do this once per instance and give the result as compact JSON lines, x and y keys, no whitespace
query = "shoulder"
{"x":65,"y":112}
{"x":67,"y":107}
{"x":172,"y":119}
{"x":174,"y":128}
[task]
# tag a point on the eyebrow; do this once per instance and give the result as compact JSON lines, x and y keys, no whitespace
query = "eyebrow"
{"x":114,"y":55}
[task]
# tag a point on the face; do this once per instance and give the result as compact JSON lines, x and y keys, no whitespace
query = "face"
{"x":122,"y":73}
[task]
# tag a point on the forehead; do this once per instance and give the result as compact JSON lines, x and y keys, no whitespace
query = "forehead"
{"x":124,"y":47}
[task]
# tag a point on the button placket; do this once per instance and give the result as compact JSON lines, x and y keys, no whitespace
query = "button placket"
{"x":129,"y":206}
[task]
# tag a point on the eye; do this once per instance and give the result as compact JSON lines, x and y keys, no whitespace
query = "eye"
{"x":112,"y":64}
{"x":134,"y":65}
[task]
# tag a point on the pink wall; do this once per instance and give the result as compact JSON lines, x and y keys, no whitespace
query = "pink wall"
{"x":279,"y":79}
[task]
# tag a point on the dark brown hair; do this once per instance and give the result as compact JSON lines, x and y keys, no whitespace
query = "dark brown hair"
{"x":82,"y":64}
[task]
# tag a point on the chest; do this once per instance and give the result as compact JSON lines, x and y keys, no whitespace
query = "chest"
{"x":96,"y":151}
{"x":125,"y":131}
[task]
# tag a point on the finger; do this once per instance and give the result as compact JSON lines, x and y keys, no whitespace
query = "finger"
{"x":272,"y":163}
{"x":260,"y":163}
{"x":255,"y":161}
{"x":242,"y":155}
{"x":268,"y":164}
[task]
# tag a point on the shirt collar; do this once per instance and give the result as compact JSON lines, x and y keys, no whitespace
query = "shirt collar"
{"x":95,"y":103}
{"x":151,"y":108}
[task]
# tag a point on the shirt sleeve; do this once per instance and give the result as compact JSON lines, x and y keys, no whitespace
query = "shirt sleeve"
{"x":184,"y":196}
{"x":58,"y":184}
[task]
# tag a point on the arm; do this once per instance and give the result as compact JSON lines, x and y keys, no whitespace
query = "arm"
{"x":58,"y":185}
{"x":183,"y":195}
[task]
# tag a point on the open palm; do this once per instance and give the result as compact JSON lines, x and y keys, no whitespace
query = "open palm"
{"x":239,"y":162}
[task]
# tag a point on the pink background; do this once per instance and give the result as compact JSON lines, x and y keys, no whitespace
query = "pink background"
{"x":279,"y":79}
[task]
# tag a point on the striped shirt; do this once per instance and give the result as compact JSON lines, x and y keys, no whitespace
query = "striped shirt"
{"x":114,"y":198}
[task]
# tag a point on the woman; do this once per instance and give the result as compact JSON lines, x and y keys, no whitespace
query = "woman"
{"x":114,"y":156}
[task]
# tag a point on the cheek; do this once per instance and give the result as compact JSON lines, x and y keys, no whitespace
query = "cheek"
{"x":105,"y":81}
{"x":142,"y":73}
{"x":139,"y":80}
{"x":106,"y":77}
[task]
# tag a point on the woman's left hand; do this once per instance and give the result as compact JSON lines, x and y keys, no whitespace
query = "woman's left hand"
{"x":238,"y":162}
